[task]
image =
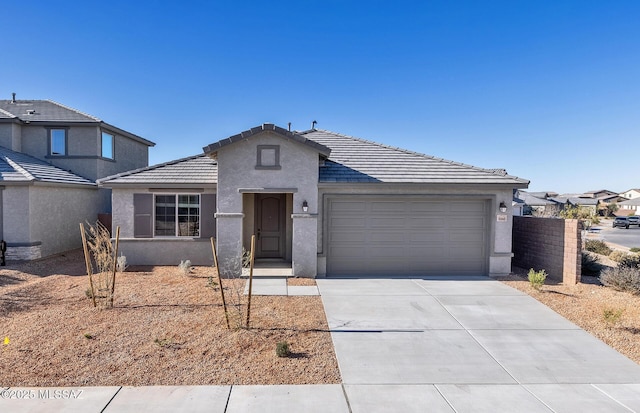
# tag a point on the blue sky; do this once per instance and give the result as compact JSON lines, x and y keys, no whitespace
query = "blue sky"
{"x":549,"y":90}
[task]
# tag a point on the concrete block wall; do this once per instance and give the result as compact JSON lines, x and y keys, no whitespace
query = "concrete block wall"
{"x":552,"y":244}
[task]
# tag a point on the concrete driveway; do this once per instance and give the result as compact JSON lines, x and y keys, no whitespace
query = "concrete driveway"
{"x":468,"y":345}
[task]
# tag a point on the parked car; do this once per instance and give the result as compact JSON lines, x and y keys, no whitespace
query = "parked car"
{"x":621,"y":222}
{"x":634,"y":220}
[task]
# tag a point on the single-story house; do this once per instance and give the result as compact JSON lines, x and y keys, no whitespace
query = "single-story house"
{"x":576,"y":200}
{"x":329,"y":204}
{"x":540,"y":207}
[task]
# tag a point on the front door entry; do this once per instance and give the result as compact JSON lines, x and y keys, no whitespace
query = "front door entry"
{"x":270,"y":225}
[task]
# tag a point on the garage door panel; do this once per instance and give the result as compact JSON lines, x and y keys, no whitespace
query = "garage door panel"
{"x":425,"y":222}
{"x":348,"y":206}
{"x":386,"y":222}
{"x":477,"y":208}
{"x":406,"y":236}
{"x":348,"y":237}
{"x":388,"y":207}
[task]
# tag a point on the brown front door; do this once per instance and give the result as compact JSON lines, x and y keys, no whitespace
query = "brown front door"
{"x":270,"y":227}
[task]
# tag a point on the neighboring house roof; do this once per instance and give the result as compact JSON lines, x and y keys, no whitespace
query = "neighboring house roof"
{"x":358,"y":160}
{"x":575,"y":200}
{"x":48,"y":111}
{"x":634,"y":201}
{"x":350,"y":160}
{"x":531,"y":200}
{"x":16,"y":167}
{"x":197,"y":170}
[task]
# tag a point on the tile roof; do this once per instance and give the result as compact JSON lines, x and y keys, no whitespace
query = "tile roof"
{"x":198,"y":169}
{"x":533,"y":200}
{"x":21,"y":168}
{"x":358,"y":160}
{"x":350,"y":160}
{"x":29,"y":111}
{"x":43,"y":111}
{"x":267,"y":127}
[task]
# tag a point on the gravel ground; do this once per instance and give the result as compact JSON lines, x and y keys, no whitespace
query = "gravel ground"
{"x":586,"y":304}
{"x":166,"y":328}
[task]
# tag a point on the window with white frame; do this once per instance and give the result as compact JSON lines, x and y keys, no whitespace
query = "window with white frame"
{"x":177,"y":215}
{"x":107,"y":145}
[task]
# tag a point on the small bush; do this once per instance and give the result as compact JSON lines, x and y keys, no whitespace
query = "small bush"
{"x":282,"y":349}
{"x":612,"y":316}
{"x":88,"y":336}
{"x":537,"y":278}
{"x":597,"y":246}
{"x":630,"y":261}
{"x":622,"y":278}
{"x":185,"y":266}
{"x":618,"y":255}
{"x":121,"y":263}
{"x":246,"y":258}
{"x":635,"y":249}
{"x":590,"y":264}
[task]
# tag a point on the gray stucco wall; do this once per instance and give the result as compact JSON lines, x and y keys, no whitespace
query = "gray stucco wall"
{"x":83,"y":149}
{"x":56,"y":214}
{"x":10,"y":136}
{"x":298,"y":175}
{"x":15,"y":216}
{"x":47,"y":216}
{"x":499,"y":238}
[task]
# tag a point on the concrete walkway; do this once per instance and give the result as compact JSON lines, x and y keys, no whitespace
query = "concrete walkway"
{"x":408,"y":345}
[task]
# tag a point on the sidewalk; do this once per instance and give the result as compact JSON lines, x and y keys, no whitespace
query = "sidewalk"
{"x":438,"y":344}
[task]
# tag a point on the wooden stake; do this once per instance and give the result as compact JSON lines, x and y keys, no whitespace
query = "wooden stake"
{"x":115,"y":266}
{"x":253,"y":246}
{"x":215,"y":263}
{"x":87,"y":260}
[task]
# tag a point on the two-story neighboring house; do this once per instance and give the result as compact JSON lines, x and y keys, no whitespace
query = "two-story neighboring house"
{"x":50,"y":158}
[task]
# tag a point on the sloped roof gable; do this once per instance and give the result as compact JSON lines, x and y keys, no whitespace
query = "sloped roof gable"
{"x":266,"y":127}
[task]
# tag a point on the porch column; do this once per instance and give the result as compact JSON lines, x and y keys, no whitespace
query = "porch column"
{"x":229,"y":243}
{"x":304,"y":252}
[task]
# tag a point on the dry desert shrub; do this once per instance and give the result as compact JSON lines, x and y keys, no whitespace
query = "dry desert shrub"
{"x":101,"y":263}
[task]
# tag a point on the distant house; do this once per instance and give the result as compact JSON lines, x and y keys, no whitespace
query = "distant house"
{"x":540,"y":207}
{"x":577,"y":200}
{"x":50,"y":158}
{"x":324,"y":203}
{"x":630,"y":194}
{"x":629,"y":207}
{"x":600,"y":193}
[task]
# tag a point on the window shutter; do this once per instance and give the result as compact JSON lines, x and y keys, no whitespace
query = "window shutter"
{"x":142,"y":215}
{"x":207,"y":220}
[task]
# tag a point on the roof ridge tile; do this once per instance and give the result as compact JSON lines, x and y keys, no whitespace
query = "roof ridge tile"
{"x":72,"y":109}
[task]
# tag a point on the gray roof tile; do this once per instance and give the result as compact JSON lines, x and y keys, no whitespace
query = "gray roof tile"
{"x":44,"y":111}
{"x":351,"y":160}
{"x":198,"y":169}
{"x":359,"y":160}
{"x":19,"y":167}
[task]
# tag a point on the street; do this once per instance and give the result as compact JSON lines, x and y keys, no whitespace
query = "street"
{"x":625,"y":237}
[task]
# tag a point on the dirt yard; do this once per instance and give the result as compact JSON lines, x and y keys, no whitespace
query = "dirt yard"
{"x":166,"y":328}
{"x":612,"y":316}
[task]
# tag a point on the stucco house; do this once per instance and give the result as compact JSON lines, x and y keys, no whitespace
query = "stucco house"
{"x":328,"y":204}
{"x":50,"y":158}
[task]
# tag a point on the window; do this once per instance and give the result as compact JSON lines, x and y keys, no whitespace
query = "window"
{"x":177,"y":216}
{"x":107,"y":145}
{"x":268,"y":157}
{"x":58,"y":141}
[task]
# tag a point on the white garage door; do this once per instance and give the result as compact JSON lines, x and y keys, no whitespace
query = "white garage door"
{"x":406,"y":236}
